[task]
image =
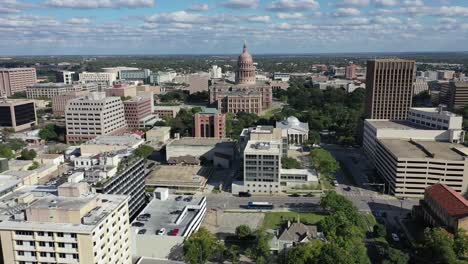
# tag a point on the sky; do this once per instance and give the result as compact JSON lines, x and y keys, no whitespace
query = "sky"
{"x":104,"y":27}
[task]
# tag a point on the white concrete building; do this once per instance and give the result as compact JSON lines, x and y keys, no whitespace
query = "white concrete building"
{"x":103,"y":79}
{"x":50,"y":90}
{"x":74,"y":227}
{"x":297,"y":131}
{"x":117,"y":70}
{"x":420,"y":85}
{"x":216,"y":72}
{"x":94,"y":115}
{"x":279,"y":76}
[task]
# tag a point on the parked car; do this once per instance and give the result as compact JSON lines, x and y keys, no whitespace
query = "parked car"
{"x":395,"y":237}
{"x":188,"y":199}
{"x":295,"y":195}
{"x":161,"y":232}
{"x":244,"y":194}
{"x":138,"y":224}
{"x":335,"y":183}
{"x":146,"y":215}
{"x":141,"y":231}
{"x":178,"y":198}
{"x":174,"y":232}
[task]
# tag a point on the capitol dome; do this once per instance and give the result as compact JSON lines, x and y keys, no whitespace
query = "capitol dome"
{"x":245,"y":73}
{"x":292,"y":120}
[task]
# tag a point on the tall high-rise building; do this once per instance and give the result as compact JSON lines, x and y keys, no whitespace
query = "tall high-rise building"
{"x":454,"y":94}
{"x":389,"y":88}
{"x":351,"y":71}
{"x":94,"y":115}
{"x":15,"y":80}
{"x":74,"y":227}
{"x":210,"y":123}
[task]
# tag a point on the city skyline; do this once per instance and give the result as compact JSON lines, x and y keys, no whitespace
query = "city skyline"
{"x":56,"y":27}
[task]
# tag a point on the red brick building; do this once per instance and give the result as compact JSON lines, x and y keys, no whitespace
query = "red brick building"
{"x":136,"y":109}
{"x":210,"y":124}
{"x":443,"y":206}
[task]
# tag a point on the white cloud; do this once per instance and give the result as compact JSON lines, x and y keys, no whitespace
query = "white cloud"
{"x":413,"y":3}
{"x":453,"y":11}
{"x":386,"y":3}
{"x":199,"y":7}
{"x":342,"y":12}
{"x":78,"y":20}
{"x":355,"y":21}
{"x":353,"y":3}
{"x":447,"y":20}
{"x":176,"y":17}
{"x":293,"y":5}
{"x":386,"y":20}
{"x":296,"y":15}
{"x":88,"y":4}
{"x":259,"y":19}
{"x":241,"y":4}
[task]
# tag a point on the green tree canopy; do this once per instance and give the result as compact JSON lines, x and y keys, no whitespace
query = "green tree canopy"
{"x":461,"y":243}
{"x":6,"y":152}
{"x":243,"y":231}
{"x":380,"y":230}
{"x":306,"y":253}
{"x":290,"y":163}
{"x":48,"y":133}
{"x":144,"y":151}
{"x":201,"y":247}
{"x":438,"y":247}
{"x":16,"y":144}
{"x":324,"y":162}
{"x":28,"y":154}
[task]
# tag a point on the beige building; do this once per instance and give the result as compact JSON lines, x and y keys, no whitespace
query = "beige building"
{"x":454,"y":94}
{"x":94,"y":115}
{"x":74,"y":227}
{"x":59,"y":102}
{"x":49,"y":90}
{"x":408,"y":167}
{"x":17,"y":114}
{"x":389,"y":88}
{"x":166,"y":111}
{"x":158,"y":134}
{"x":103,"y":79}
{"x":13,"y":80}
{"x":109,"y":143}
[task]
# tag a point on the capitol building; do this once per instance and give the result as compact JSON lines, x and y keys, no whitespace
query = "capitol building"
{"x":246,"y":94}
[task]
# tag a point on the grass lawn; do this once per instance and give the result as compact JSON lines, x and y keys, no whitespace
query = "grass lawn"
{"x":370,"y":219}
{"x":270,"y":113}
{"x":273,"y":220}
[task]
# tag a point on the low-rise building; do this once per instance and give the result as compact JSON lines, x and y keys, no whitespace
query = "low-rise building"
{"x":108,"y":143}
{"x":103,"y":79}
{"x":49,"y":90}
{"x":179,"y":177}
{"x":121,"y":90}
{"x":168,"y":222}
{"x":158,"y":134}
{"x":204,"y":148}
{"x":297,"y":131}
{"x":166,"y":111}
{"x":138,"y":112}
{"x":17,"y":114}
{"x":443,"y":207}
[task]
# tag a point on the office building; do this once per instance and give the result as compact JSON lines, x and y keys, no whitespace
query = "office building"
{"x":445,"y":75}
{"x":138,"y":113}
{"x":120,"y":172}
{"x":66,"y":77}
{"x":59,"y":102}
{"x":351,"y":72}
{"x":389,"y":88}
{"x":121,"y":90}
{"x":14,"y":80}
{"x":245,"y":94}
{"x":75,"y":226}
{"x":454,"y":94}
{"x":103,"y":79}
{"x":263,"y":133}
{"x":420,"y":85}
{"x":210,"y":123}
{"x":166,"y":111}
{"x":108,"y":143}
{"x":142,"y":75}
{"x":158,"y":134}
{"x":94,"y":115}
{"x":443,"y":207}
{"x":17,"y":114}
{"x":49,"y":90}
{"x":216,"y":72}
{"x":118,"y":70}
{"x":279,"y":76}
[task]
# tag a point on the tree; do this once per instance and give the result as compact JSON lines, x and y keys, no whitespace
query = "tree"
{"x":6,"y":152}
{"x":261,"y":249}
{"x":144,"y":151}
{"x":243,"y":231}
{"x":395,"y":256}
{"x":304,"y":253}
{"x":34,"y":165}
{"x":461,"y":243}
{"x":16,"y":144}
{"x":290,"y":163}
{"x":324,"y":162}
{"x":201,"y":247}
{"x":333,"y":254}
{"x":438,"y":247}
{"x":380,"y":230}
{"x":48,"y":133}
{"x":232,"y":254}
{"x":28,"y":154}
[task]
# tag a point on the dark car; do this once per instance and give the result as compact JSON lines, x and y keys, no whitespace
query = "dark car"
{"x":188,"y":199}
{"x":142,"y":231}
{"x":347,"y":188}
{"x":178,"y":198}
{"x":294,"y":195}
{"x":138,"y":224}
{"x":148,"y":215}
{"x":244,"y":194}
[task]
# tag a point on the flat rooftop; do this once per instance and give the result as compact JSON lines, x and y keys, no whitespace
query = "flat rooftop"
{"x":164,"y":215}
{"x":191,"y":141}
{"x":124,"y":140}
{"x":421,"y":149}
{"x":179,"y":176}
{"x":398,"y":125}
{"x":262,"y":147}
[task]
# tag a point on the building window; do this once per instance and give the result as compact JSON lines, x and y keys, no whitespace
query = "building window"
{"x":19,"y":242}
{"x":61,"y":255}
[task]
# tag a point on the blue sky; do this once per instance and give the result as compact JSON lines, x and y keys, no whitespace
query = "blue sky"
{"x":54,"y":27}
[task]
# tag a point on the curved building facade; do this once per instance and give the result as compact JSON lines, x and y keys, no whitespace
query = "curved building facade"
{"x":245,"y":73}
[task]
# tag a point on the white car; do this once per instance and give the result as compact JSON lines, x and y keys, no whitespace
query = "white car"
{"x":161,"y":232}
{"x":395,"y":237}
{"x":335,"y":183}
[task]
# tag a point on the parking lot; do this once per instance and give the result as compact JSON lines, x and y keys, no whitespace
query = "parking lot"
{"x":223,"y":224}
